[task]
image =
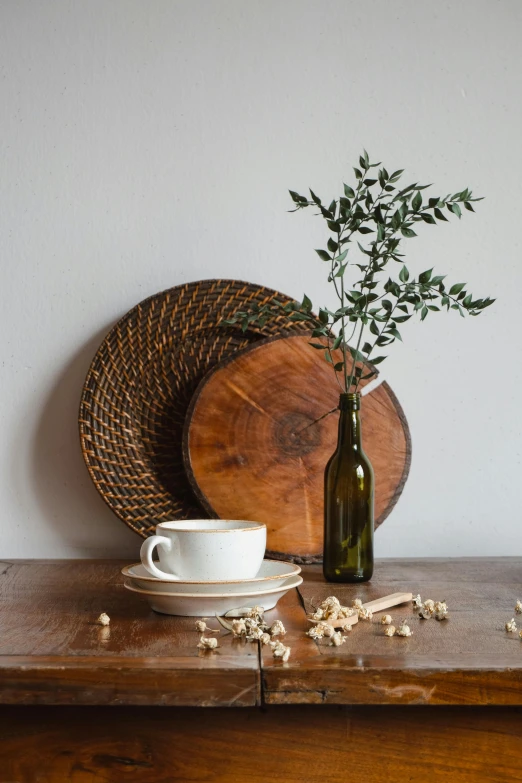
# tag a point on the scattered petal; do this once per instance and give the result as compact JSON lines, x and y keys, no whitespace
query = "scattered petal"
{"x":277,"y":629}
{"x":389,"y":630}
{"x":279,"y":650}
{"x":511,"y":627}
{"x":238,"y":627}
{"x":201,"y":626}
{"x":208,"y":644}
{"x":103,"y":619}
{"x":337,"y":639}
{"x":404,"y":630}
{"x":440,"y":610}
{"x":386,"y":619}
{"x":518,"y":607}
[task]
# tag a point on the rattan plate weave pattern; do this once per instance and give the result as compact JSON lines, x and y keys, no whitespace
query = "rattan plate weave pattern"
{"x":139,"y":387}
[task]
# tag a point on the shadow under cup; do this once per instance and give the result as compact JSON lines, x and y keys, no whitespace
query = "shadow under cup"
{"x":206,"y":550}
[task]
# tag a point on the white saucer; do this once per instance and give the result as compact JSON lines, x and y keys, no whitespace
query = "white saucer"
{"x":273,"y":573}
{"x":208,"y":605}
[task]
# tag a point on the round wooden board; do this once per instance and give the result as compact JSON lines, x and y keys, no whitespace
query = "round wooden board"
{"x":249,"y":454}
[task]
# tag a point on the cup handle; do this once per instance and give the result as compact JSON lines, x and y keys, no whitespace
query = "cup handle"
{"x":146,"y":551}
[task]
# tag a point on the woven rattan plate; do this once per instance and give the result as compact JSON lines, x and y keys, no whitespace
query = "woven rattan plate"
{"x":139,"y":387}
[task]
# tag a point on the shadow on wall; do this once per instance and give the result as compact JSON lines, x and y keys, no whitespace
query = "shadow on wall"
{"x":65,"y":493}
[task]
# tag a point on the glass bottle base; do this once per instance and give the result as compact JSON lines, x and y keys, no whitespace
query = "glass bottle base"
{"x":337,"y":575}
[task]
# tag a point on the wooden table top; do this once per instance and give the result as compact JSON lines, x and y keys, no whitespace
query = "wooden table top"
{"x":53,"y":652}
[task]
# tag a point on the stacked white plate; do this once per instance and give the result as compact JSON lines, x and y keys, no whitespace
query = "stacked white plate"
{"x":205,"y":599}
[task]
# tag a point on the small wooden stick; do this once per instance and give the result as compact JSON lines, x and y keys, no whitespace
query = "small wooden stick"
{"x":394,"y":599}
{"x":377,"y":605}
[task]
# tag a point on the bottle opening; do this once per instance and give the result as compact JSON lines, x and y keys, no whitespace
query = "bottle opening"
{"x":350,"y":401}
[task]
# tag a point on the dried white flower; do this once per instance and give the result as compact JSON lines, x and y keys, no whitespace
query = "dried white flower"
{"x":389,"y":630}
{"x":365,"y":614}
{"x":440,"y":610}
{"x":256,"y":613}
{"x":254,"y":632}
{"x":337,"y":639}
{"x":331,"y":609}
{"x":520,"y":634}
{"x":404,"y":630}
{"x":264,"y":638}
{"x":327,"y":629}
{"x":103,"y":619}
{"x":316,"y":631}
{"x":331,"y":602}
{"x":427,"y":609}
{"x":386,"y":619}
{"x":201,"y":626}
{"x":357,"y":603}
{"x":320,"y":630}
{"x":518,"y":607}
{"x":238,"y":627}
{"x":511,"y":627}
{"x":279,"y":650}
{"x":208,"y":644}
{"x":417,"y":601}
{"x":277,"y":629}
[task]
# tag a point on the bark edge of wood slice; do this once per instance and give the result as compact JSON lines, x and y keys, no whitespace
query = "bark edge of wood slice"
{"x":249,"y":454}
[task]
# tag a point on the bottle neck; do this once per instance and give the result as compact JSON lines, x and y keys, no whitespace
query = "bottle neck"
{"x":349,"y":421}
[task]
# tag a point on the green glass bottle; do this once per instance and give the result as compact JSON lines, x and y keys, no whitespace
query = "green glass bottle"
{"x":348,"y":502}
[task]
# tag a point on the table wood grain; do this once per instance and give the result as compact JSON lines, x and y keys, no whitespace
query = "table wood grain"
{"x":53,"y":652}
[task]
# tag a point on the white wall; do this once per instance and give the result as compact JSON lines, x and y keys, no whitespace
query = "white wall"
{"x":145,"y":144}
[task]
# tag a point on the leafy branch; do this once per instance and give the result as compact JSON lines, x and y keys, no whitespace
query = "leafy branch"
{"x":377,"y":216}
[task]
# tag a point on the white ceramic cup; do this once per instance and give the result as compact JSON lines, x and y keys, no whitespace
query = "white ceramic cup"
{"x":206,"y":549}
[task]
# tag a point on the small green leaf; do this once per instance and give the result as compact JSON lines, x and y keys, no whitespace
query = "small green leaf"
{"x":358,"y":173}
{"x":349,"y":192}
{"x":456,"y":289}
{"x":323,"y":255}
{"x":296,"y":198}
{"x":366,"y":230}
{"x":424,"y":313}
{"x":428,"y":218}
{"x":306,"y":304}
{"x":424,"y":277}
{"x":332,"y":246}
{"x":369,"y":182}
{"x":315,"y":198}
{"x":337,"y":342}
{"x":378,"y":359}
{"x":333,"y":226}
{"x":396,"y":175}
{"x":408,"y":232}
{"x":323,"y":316}
{"x":417,"y":201}
{"x":455,"y":209}
{"x":341,"y":256}
{"x":374,"y":329}
{"x":366,"y":348}
{"x":339,"y":367}
{"x":316,"y":345}
{"x":395,"y":333}
{"x":440,"y":215}
{"x":404,"y":275}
